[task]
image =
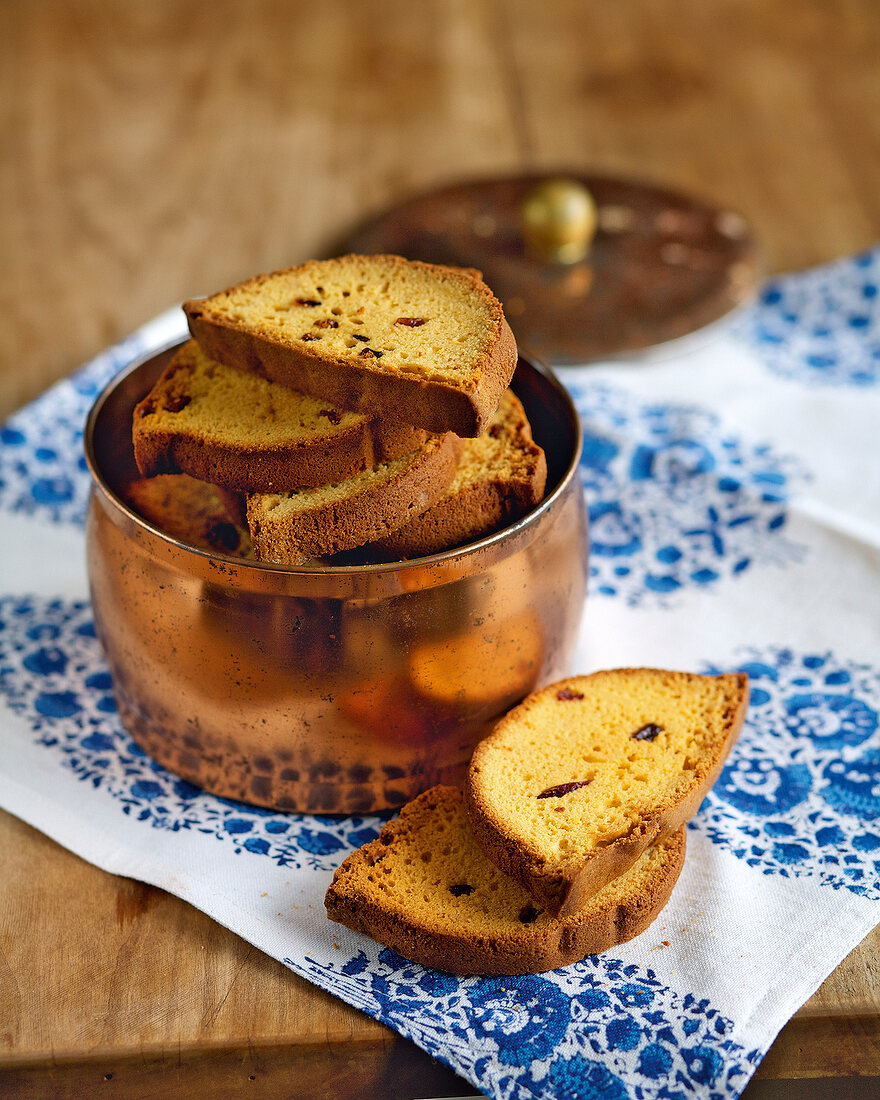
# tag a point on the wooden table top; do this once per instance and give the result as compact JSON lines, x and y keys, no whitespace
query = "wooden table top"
{"x":160,"y":150}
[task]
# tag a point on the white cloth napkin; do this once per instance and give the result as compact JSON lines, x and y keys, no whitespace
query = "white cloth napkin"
{"x":734,"y":493}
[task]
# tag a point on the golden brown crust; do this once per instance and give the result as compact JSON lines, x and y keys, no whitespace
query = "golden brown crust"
{"x":365,"y":385}
{"x":290,"y":528}
{"x":250,"y":435}
{"x":493,"y":489}
{"x":197,"y":513}
{"x":491,"y":927}
{"x":564,"y":882}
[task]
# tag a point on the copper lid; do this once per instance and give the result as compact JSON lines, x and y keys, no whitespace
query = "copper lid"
{"x":658,"y":265}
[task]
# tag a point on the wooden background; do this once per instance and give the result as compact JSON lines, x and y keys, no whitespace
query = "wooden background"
{"x":157,"y":150}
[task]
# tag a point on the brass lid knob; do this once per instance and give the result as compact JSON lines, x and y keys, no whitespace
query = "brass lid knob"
{"x":558,"y":221}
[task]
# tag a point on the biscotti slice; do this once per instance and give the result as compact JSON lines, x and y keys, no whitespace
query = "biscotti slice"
{"x":237,"y":430}
{"x":196,"y":512}
{"x":501,"y":476}
{"x":426,"y":889}
{"x":577,"y":781}
{"x":290,"y":528}
{"x":381,"y":335}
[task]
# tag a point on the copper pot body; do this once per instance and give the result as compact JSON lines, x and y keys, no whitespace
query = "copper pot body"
{"x":329,"y":689}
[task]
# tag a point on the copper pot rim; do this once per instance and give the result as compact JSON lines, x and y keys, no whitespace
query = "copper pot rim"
{"x":446,"y":557}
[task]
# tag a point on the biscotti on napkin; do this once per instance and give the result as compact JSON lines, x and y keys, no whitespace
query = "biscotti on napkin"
{"x":376,"y":334}
{"x":570,"y":833}
{"x":239,"y":431}
{"x":576,"y":782}
{"x":427,"y":890}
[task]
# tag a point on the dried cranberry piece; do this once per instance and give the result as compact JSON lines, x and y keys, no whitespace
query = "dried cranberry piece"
{"x":360,"y":336}
{"x":326,"y":322}
{"x":461,"y":889}
{"x":310,"y":336}
{"x":223,"y":535}
{"x":368,"y":353}
{"x":311,"y":302}
{"x":567,"y":693}
{"x":529,"y":913}
{"x":410,"y":322}
{"x":647,"y":732}
{"x":178,"y":402}
{"x":564,"y":788}
{"x":332,"y":415}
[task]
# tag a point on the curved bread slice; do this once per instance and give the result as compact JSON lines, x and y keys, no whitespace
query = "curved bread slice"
{"x":578,"y":780}
{"x":293,"y":527}
{"x":235,"y":429}
{"x":193,"y":511}
{"x":426,"y":889}
{"x":382,"y":335}
{"x":501,"y":476}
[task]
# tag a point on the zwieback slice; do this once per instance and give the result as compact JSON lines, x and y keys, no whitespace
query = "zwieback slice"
{"x":426,"y":889}
{"x":578,"y":780}
{"x":237,"y":430}
{"x":292,"y":527}
{"x":425,"y":344}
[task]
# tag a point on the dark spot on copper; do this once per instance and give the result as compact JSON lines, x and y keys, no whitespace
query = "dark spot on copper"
{"x":461,"y":889}
{"x":177,"y":402}
{"x":569,"y":693}
{"x":495,"y":430}
{"x":564,"y":788}
{"x":647,"y":732}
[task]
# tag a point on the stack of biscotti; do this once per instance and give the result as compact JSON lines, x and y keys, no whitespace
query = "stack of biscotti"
{"x":359,"y":402}
{"x":569,"y":835}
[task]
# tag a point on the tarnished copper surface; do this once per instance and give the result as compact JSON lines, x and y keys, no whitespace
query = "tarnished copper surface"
{"x":660,"y":266}
{"x":329,"y":689}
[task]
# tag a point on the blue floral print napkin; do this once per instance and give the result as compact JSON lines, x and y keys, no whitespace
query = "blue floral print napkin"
{"x":734,"y":496}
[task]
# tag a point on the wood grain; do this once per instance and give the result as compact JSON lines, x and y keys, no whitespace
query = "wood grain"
{"x":160,"y":150}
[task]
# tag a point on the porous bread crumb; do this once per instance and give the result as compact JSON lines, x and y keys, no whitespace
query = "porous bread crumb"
{"x":426,"y":889}
{"x":633,"y":752}
{"x":376,"y":333}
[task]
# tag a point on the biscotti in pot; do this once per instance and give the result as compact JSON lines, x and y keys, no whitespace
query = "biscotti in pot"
{"x":574,"y":784}
{"x":501,"y":476}
{"x":194,"y":511}
{"x":427,"y":890}
{"x":237,"y":430}
{"x":293,"y":527}
{"x":381,"y":335}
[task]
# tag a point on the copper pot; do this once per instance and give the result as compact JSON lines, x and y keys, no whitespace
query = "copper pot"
{"x":329,"y":689}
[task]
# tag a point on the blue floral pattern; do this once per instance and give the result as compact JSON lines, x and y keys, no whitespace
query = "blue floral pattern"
{"x":42,"y":467}
{"x":52,"y":671}
{"x":820,"y":327}
{"x":800,"y":794}
{"x":578,"y":1032}
{"x":674,"y":500}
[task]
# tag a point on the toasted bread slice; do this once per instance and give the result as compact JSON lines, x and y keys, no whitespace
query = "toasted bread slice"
{"x":381,"y":335}
{"x":577,"y":781}
{"x":193,"y":511}
{"x":426,"y":889}
{"x":293,"y":527}
{"x":237,"y":430}
{"x":501,"y":476}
